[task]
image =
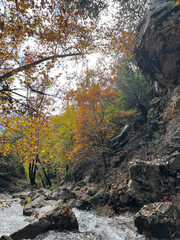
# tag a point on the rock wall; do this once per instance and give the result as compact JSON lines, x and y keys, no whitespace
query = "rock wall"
{"x":158,"y":51}
{"x":158,"y":56}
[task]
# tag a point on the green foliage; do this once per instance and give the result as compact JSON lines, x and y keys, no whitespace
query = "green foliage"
{"x":135,"y":91}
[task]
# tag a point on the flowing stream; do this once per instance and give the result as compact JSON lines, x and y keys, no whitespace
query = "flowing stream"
{"x":91,"y":225}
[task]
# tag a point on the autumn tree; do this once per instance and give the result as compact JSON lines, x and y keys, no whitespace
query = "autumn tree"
{"x":62,"y":142}
{"x":34,"y":35}
{"x":96,"y":105}
{"x":23,"y":137}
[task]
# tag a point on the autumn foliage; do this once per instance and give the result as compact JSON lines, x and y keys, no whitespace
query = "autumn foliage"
{"x":35,"y":37}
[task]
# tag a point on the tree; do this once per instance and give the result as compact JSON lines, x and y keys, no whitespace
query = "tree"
{"x":63,"y":128}
{"x":35,"y":34}
{"x":96,"y":107}
{"x":23,"y":137}
{"x":135,"y":91}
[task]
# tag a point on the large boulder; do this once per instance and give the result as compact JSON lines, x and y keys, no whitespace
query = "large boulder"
{"x":158,"y":45}
{"x":58,"y":219}
{"x":160,"y":220}
{"x":31,"y":230}
{"x":62,"y":219}
{"x":149,"y":181}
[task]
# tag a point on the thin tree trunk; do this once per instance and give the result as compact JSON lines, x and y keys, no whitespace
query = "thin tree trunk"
{"x":32,"y":173}
{"x":45,"y":174}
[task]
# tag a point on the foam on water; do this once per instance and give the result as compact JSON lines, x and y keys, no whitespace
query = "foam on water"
{"x":91,"y":226}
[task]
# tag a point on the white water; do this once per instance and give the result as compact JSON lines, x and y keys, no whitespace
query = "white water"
{"x":91,"y":226}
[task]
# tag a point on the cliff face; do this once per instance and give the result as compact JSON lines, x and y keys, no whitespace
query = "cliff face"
{"x":158,"y":52}
{"x":153,"y":149}
{"x":158,"y":56}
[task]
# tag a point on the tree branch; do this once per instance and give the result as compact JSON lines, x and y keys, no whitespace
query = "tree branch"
{"x":29,"y":65}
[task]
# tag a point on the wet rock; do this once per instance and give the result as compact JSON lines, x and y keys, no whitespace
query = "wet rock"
{"x":83,"y":204}
{"x":32,"y":230}
{"x":62,"y":219}
{"x":100,"y":198}
{"x":159,"y":220}
{"x":28,"y":210}
{"x":91,"y":191}
{"x":58,"y":219}
{"x":33,"y":195}
{"x":5,"y":238}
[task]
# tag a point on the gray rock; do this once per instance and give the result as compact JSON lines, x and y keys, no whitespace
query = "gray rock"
{"x":100,"y":198}
{"x":91,"y":191}
{"x":175,"y":163}
{"x":158,"y":52}
{"x":120,"y":137}
{"x":87,"y":179}
{"x":55,"y":195}
{"x":160,"y":220}
{"x":155,"y":101}
{"x":66,"y":194}
{"x":38,"y":202}
{"x":145,"y":182}
{"x":28,"y":210}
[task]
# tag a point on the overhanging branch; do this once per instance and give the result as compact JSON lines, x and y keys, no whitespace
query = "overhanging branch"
{"x":29,"y":65}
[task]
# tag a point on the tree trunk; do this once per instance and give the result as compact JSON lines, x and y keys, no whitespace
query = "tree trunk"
{"x":32,"y":173}
{"x":48,"y":181}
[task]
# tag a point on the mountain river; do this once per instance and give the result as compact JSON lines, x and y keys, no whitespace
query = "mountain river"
{"x":91,"y":225}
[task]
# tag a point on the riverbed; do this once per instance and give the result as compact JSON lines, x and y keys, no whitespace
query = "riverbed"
{"x":92,"y":226}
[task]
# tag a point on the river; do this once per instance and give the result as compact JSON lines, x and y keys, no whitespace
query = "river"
{"x":91,"y":225}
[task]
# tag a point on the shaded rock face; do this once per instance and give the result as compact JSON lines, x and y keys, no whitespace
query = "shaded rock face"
{"x":171,"y":116}
{"x":159,"y":220}
{"x":158,"y":51}
{"x":148,"y":182}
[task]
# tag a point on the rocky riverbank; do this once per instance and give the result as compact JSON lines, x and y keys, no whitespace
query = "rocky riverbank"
{"x":160,"y":219}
